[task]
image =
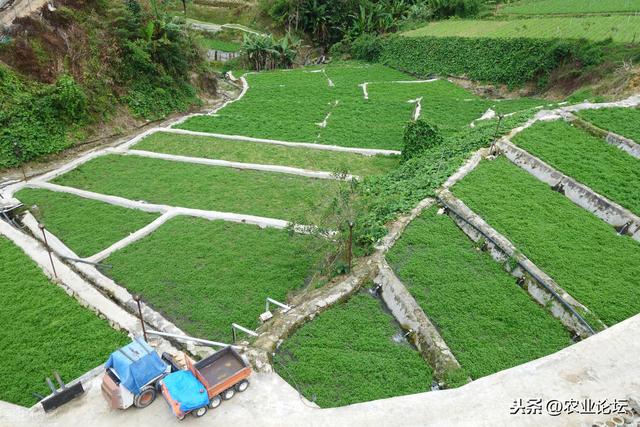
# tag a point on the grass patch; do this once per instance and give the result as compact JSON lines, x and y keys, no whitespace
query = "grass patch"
{"x":623,"y":121}
{"x":291,"y":105}
{"x":589,"y":159}
{"x":44,"y":329}
{"x":581,"y":252}
{"x":347,"y":355}
{"x":548,"y":7}
{"x":487,"y":320}
{"x":187,"y":185}
{"x":86,"y":226}
{"x":622,"y":29}
{"x":251,"y":152}
{"x":204,"y":275}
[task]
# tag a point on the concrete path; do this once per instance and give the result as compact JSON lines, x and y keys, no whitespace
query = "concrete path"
{"x":601,"y":367}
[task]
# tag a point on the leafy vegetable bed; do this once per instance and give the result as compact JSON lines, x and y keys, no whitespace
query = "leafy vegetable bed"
{"x":300,"y":105}
{"x":618,"y":28}
{"x":589,"y":159}
{"x":543,"y":7}
{"x":347,"y":355}
{"x":267,"y":194}
{"x":86,"y":226}
{"x":489,"y":322}
{"x":623,"y":121}
{"x":251,"y":152}
{"x":278,"y":105}
{"x":204,"y":275}
{"x":581,"y":252}
{"x":44,"y":329}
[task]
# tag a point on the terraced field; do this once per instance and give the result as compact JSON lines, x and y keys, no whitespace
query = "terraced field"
{"x":201,"y":186}
{"x":581,"y":252}
{"x":44,"y":329}
{"x":589,"y":159}
{"x":621,"y":29}
{"x":348,"y":355}
{"x":487,"y":320}
{"x":250,"y":152}
{"x":331,"y":106}
{"x":203,"y":275}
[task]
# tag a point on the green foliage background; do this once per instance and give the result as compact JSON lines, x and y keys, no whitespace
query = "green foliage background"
{"x":127,"y":54}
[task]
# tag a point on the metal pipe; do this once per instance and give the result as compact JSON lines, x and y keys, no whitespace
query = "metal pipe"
{"x":46,"y":244}
{"x":136,"y":298}
{"x":188,"y":338}
{"x":84,"y":261}
{"x":245,"y":330}
{"x":538,"y":279}
{"x":285,"y":307}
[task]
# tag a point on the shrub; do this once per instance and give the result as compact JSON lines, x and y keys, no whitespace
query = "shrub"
{"x":419,"y":135}
{"x":367,"y":47}
{"x":69,"y":100}
{"x":35,"y":119}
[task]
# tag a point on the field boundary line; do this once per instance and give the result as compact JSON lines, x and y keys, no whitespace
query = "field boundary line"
{"x":133,"y":237}
{"x":540,"y":286}
{"x":237,"y":165}
{"x":362,"y":151}
{"x":580,"y":194}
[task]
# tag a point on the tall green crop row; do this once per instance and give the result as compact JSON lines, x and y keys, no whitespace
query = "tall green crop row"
{"x":511,"y":61}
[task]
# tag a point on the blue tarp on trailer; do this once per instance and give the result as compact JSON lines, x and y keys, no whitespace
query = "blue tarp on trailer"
{"x":136,"y":364}
{"x":185,"y":389}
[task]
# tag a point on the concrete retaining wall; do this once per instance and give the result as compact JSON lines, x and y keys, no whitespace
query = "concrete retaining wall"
{"x":536,"y":282}
{"x":412,"y":318}
{"x":580,"y":194}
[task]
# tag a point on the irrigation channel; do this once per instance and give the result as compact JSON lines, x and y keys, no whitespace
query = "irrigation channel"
{"x":80,"y":277}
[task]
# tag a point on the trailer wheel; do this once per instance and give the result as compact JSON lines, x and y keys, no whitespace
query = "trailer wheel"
{"x":145,"y":398}
{"x":215,"y":402}
{"x":228,"y":393}
{"x":242,"y":386}
{"x":199,"y":412}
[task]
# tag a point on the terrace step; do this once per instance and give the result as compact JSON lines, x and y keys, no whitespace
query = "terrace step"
{"x":537,"y":283}
{"x":583,"y":196}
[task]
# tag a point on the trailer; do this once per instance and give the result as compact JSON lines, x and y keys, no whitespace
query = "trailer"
{"x":205,"y":384}
{"x":131,"y":374}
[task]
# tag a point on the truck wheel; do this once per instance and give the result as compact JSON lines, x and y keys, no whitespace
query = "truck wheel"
{"x":199,"y":412}
{"x":242,"y":386}
{"x":145,"y":398}
{"x":228,"y":393}
{"x":215,"y":402}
